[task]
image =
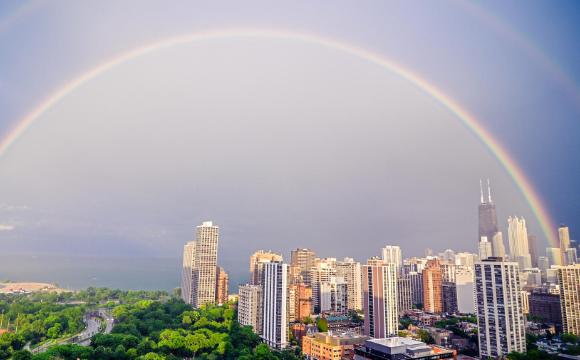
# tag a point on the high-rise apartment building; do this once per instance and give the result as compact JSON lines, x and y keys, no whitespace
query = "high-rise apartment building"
{"x":274,"y":318}
{"x":564,"y":237}
{"x":433,"y":287}
{"x":350,"y":271}
{"x":199,"y":265}
{"x":304,"y":260}
{"x":449,"y":294}
{"x":380,"y":299}
{"x":569,"y":281}
{"x":257,"y":262}
{"x":187,"y":272}
{"x":321,"y":271}
{"x":416,"y":281}
{"x":518,"y":241}
{"x":500,"y":317}
{"x":393,"y":254}
{"x":302,"y":297}
{"x":221,"y":292}
{"x":404,"y":300}
{"x":250,"y":306}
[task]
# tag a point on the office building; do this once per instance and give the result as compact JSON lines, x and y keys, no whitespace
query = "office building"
{"x":564,"y":237}
{"x":221,"y":293}
{"x":257,"y":262}
{"x":497,"y":245}
{"x":546,"y":306}
{"x":380,"y":299}
{"x":432,"y":287}
{"x":500,"y":317}
{"x":533,"y":247}
{"x":487,"y":221}
{"x":304,"y":260}
{"x":485,"y":248}
{"x":274,"y":305}
{"x":554,"y":256}
{"x":250,"y":307}
{"x":518,"y":242}
{"x":569,"y":281}
{"x":200,"y":264}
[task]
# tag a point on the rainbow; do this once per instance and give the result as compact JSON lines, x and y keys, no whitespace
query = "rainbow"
{"x":515,"y":172}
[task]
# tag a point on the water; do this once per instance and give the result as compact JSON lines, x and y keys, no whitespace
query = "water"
{"x":79,"y":272}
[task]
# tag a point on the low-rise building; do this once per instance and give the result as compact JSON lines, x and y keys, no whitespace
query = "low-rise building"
{"x":400,"y":348}
{"x":331,"y":345}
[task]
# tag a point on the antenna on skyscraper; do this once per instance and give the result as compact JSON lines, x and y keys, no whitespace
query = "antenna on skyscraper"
{"x":488,"y":191}
{"x":481,"y":190}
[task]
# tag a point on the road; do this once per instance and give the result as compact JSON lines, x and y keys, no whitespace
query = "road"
{"x":93,"y":321}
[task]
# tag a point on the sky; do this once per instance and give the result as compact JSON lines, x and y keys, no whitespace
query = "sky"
{"x":281,"y":142}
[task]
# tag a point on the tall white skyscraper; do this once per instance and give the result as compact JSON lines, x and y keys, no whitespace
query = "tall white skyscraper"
{"x":350,"y":271}
{"x":564,"y":237}
{"x":497,"y":245}
{"x":500,"y":316}
{"x":485,"y":248}
{"x":187,"y":272}
{"x":393,"y":254}
{"x":199,"y":266}
{"x":518,"y":242}
{"x":380,"y":299}
{"x":275,"y":314}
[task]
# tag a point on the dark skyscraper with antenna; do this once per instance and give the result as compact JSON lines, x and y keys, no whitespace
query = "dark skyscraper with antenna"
{"x":487,"y":216}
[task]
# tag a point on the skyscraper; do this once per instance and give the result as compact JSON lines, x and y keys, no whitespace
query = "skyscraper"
{"x":187,"y":272}
{"x":304,"y":260}
{"x":564,"y":237}
{"x":380,"y":299}
{"x":487,"y":218}
{"x":569,"y":281}
{"x":257,"y":261}
{"x":433,"y":287}
{"x":416,"y":281}
{"x":518,"y":241}
{"x":199,"y":266}
{"x":274,"y":318}
{"x":533,"y":246}
{"x":404,"y":300}
{"x":392,"y":254}
{"x":350,"y":271}
{"x":500,"y":317}
{"x":554,"y":256}
{"x":250,"y":306}
{"x":497,"y":245}
{"x":221,"y":292}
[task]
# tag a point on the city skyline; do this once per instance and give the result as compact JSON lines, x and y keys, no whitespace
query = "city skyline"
{"x":124,"y":123}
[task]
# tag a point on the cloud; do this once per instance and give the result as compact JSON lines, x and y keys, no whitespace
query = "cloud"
{"x":5,"y":227}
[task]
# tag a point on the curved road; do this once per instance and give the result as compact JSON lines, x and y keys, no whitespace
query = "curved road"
{"x":93,"y":322}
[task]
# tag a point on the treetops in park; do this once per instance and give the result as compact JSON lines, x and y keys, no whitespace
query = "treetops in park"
{"x":155,"y":326}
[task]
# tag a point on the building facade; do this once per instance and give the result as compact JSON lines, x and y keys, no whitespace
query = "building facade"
{"x":500,"y":317}
{"x":380,"y":300}
{"x":274,"y":305}
{"x":257,"y":261}
{"x":303,"y":259}
{"x":569,"y":280}
{"x":350,"y":271}
{"x":433,"y":287}
{"x":250,"y":307}
{"x":222,"y":280}
{"x":199,"y":265}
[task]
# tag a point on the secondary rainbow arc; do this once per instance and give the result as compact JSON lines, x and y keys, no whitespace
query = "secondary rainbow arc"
{"x":512,"y":168}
